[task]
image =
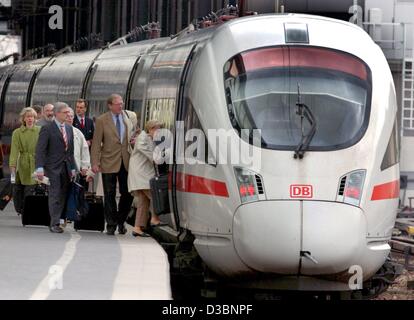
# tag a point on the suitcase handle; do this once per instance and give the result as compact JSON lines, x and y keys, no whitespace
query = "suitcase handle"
{"x":41,"y":190}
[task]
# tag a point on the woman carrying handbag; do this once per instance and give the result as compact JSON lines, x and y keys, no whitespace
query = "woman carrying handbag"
{"x":141,"y":171}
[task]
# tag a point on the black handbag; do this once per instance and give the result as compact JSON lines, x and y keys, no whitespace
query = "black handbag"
{"x":76,"y":206}
{"x":131,"y":216}
{"x":159,"y":193}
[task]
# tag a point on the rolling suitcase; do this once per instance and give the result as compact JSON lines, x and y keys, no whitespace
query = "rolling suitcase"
{"x":36,"y":208}
{"x":95,"y":219}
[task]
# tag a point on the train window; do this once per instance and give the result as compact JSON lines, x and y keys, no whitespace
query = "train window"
{"x":15,"y":90}
{"x":70,"y":87}
{"x":392,"y":156}
{"x":162,"y":110}
{"x":16,"y":98}
{"x":163,"y":84}
{"x":108,"y":78}
{"x":5,"y":140}
{"x":46,"y":86}
{"x":60,"y":82}
{"x":139,"y":85}
{"x":264,"y":85}
{"x":192,"y":121}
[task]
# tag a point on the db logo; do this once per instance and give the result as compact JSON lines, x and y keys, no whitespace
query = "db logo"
{"x":301,"y":191}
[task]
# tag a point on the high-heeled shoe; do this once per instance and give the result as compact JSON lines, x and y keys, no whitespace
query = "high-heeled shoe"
{"x":143,"y":234}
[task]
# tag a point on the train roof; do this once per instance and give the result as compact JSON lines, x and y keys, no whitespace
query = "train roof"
{"x":155,"y":45}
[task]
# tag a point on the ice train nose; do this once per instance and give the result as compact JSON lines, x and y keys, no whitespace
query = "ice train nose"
{"x":267,"y":236}
{"x":299,"y":237}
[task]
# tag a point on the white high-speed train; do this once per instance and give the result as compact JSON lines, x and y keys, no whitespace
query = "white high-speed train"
{"x":324,"y":196}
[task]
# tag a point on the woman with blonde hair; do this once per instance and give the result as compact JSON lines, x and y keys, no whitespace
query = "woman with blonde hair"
{"x":141,"y":170}
{"x":22,"y":156}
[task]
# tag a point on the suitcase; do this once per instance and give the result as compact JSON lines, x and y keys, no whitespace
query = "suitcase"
{"x":95,"y":219}
{"x":159,"y":193}
{"x":36,"y":208}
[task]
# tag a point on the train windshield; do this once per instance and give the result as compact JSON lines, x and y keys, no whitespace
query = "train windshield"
{"x":262,"y":93}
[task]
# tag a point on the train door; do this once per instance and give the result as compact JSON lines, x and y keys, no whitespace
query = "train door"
{"x":166,"y":82}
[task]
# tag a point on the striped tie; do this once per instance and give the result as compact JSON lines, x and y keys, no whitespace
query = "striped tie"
{"x":65,"y":138}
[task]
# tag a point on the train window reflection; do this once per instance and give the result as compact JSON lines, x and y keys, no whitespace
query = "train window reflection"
{"x":203,"y":151}
{"x":140,"y":83}
{"x":108,"y":78}
{"x":392,"y":156}
{"x":163,"y":110}
{"x":264,"y":97}
{"x":16,"y":99}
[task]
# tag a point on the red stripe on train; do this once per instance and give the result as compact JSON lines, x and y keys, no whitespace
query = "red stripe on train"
{"x":386,"y":191}
{"x":200,"y":185}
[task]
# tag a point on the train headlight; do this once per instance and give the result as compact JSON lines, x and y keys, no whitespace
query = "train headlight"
{"x":246,"y":182}
{"x":351,"y":187}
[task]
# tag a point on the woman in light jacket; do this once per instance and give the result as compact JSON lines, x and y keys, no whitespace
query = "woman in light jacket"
{"x":141,"y":171}
{"x":22,"y":156}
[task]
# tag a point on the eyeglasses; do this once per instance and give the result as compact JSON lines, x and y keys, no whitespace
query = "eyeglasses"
{"x":118,"y":104}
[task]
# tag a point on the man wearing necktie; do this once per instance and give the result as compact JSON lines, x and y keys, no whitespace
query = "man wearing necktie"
{"x":55,"y":160}
{"x":82,"y":122}
{"x":110,"y":155}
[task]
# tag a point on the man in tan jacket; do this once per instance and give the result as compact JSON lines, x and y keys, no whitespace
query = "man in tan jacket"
{"x":110,"y":155}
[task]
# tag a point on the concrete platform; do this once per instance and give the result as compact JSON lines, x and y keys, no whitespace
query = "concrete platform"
{"x":39,"y":265}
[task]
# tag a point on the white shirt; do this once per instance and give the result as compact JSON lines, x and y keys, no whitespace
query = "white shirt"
{"x":61,"y":126}
{"x":80,"y":119}
{"x":81,"y":150}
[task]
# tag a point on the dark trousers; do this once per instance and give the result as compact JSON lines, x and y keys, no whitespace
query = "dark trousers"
{"x":20,"y":192}
{"x":58,"y":191}
{"x":116,"y":216}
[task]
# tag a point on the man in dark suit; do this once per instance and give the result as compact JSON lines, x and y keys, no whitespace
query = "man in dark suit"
{"x":82,"y":122}
{"x":55,"y":160}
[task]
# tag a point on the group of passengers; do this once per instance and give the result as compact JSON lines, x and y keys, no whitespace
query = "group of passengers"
{"x":57,"y":144}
